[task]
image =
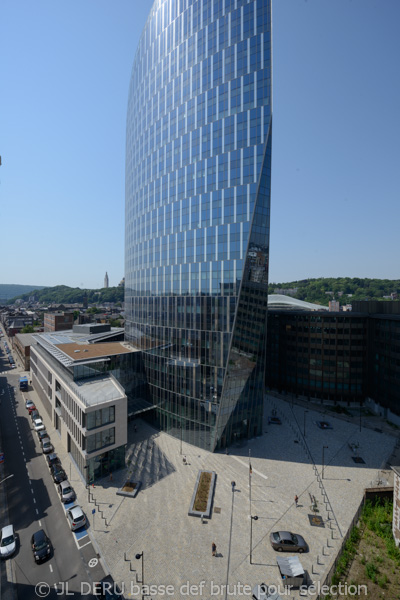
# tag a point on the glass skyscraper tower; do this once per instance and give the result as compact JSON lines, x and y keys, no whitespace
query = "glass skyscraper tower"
{"x":198,"y":175}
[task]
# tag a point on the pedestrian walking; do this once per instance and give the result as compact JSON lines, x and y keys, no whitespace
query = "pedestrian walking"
{"x":135,"y":429}
{"x":214,"y":549}
{"x":296,"y":499}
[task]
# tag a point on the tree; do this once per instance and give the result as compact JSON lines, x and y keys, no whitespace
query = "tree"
{"x":27,"y":329}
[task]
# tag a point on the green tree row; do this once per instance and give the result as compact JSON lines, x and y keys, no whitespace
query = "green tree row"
{"x":315,"y":290}
{"x":62,"y":294}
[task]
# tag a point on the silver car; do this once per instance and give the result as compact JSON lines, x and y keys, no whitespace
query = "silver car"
{"x":8,"y":542}
{"x":47,"y":446}
{"x":66,"y":491}
{"x":76,"y":518}
{"x":288,"y":542}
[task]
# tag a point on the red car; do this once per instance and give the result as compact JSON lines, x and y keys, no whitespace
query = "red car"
{"x":31,"y":408}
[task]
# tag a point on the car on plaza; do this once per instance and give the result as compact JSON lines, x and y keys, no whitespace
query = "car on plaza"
{"x":8,"y":541}
{"x":107,"y":589}
{"x":42,"y":434}
{"x":41,"y":546}
{"x":29,"y":403}
{"x":47,"y":446}
{"x":76,"y":518}
{"x":274,"y":421}
{"x":66,"y":491}
{"x":52,"y":459}
{"x":58,"y":474}
{"x":38,"y":425}
{"x":285,"y":541}
{"x":31,"y":408}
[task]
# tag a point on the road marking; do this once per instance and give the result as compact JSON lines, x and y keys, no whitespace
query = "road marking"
{"x":34,"y":501}
{"x":40,"y":523}
{"x":32,"y":490}
{"x":242,"y":462}
{"x":37,"y":512}
{"x":93,"y":562}
{"x":84,"y":545}
{"x":51,"y":568}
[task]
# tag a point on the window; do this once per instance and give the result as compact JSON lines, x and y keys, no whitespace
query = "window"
{"x":100,"y":440}
{"x":97,"y":418}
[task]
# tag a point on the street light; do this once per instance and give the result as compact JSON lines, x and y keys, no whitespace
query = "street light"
{"x":304,"y":428}
{"x":8,"y":477}
{"x":255,"y":518}
{"x":323,"y":456}
{"x":138,"y":557}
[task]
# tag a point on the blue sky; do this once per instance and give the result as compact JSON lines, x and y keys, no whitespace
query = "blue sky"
{"x":64,"y":76}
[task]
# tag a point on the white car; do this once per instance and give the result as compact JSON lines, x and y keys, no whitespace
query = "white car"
{"x":76,"y":517}
{"x":8,"y":542}
{"x":38,"y":425}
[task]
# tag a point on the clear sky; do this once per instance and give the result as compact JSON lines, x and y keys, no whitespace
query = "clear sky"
{"x":64,"y":76}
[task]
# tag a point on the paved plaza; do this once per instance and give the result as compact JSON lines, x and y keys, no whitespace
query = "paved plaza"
{"x":177,"y":548}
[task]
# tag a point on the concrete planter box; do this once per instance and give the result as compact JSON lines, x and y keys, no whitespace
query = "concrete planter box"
{"x":124,"y":490}
{"x":206,"y":513}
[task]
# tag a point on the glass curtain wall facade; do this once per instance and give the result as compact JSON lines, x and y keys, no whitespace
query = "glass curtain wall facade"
{"x":198,"y":173}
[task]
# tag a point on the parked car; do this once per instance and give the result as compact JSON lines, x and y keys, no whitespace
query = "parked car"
{"x":274,"y":421}
{"x":8,"y":542}
{"x":35,"y":415}
{"x":66,"y":491}
{"x":76,"y":518}
{"x":58,"y":474}
{"x":287,"y":541}
{"x":41,"y":546}
{"x":38,"y":425}
{"x":29,"y":403}
{"x":42,"y":434}
{"x":47,"y":446}
{"x":52,"y":459}
{"x":107,"y":589}
{"x":31,"y":408}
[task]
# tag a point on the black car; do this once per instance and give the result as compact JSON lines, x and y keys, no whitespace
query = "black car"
{"x":41,"y":546}
{"x":52,"y":459}
{"x":58,"y":474}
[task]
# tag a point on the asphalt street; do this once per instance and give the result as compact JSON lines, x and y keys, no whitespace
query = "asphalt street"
{"x":33,"y":504}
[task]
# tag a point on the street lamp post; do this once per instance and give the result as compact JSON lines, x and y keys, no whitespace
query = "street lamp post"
{"x":8,"y":477}
{"x":251,"y":535}
{"x":323,"y":456}
{"x":138,"y":557}
{"x":304,"y":425}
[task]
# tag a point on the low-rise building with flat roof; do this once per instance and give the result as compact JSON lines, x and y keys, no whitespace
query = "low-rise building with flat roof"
{"x":86,"y":403}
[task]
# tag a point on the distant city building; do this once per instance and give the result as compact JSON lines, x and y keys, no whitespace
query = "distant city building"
{"x":106,"y":283}
{"x":286,"y":292}
{"x":334,"y":305}
{"x":59,"y":321}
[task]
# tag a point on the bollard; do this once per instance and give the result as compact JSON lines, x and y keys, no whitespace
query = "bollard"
{"x":202,"y":518}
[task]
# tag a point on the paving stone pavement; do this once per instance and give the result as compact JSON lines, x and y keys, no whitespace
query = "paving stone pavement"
{"x":177,"y":548}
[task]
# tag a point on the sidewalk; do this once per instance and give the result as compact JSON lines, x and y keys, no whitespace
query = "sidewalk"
{"x":177,"y":548}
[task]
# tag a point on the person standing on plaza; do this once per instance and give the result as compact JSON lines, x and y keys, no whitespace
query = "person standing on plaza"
{"x":214,"y":549}
{"x":296,"y":500}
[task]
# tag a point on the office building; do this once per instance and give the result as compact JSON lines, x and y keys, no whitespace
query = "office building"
{"x":87,"y":385}
{"x":59,"y":321}
{"x":198,"y":170}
